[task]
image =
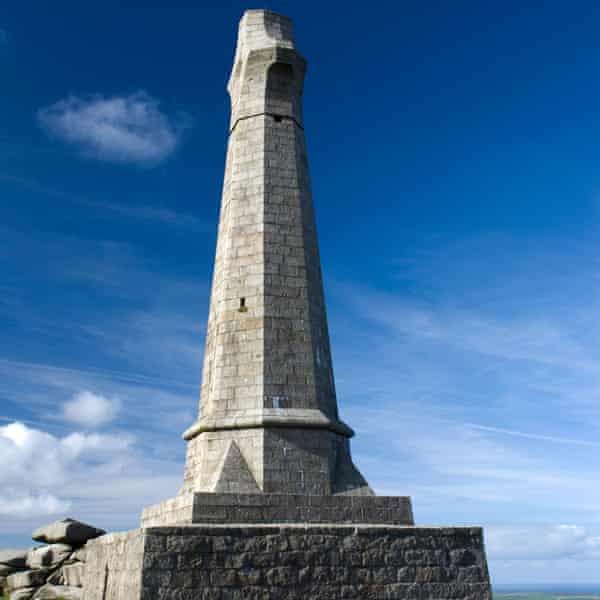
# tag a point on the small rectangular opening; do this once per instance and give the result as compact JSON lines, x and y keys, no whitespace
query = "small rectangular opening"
{"x":277,"y":118}
{"x":243,"y":307}
{"x":276,"y":402}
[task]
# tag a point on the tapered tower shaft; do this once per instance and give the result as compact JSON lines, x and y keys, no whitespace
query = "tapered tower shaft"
{"x":268,"y":402}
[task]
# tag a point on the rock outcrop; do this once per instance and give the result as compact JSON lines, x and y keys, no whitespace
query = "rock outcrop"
{"x":52,"y":571}
{"x":67,"y":531}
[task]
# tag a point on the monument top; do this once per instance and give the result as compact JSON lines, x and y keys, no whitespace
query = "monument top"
{"x":259,"y":30}
{"x":265,"y":43}
{"x":261,"y":27}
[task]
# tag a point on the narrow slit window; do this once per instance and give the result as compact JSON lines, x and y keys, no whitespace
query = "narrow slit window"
{"x":243,"y":307}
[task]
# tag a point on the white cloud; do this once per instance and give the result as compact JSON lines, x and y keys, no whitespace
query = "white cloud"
{"x":122,"y":129}
{"x":103,"y":479}
{"x":541,"y":542}
{"x":543,"y":339}
{"x":22,"y":504}
{"x":35,"y":467}
{"x":91,"y":410}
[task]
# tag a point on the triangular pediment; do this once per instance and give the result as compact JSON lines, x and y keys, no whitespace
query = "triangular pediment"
{"x":233,"y":475}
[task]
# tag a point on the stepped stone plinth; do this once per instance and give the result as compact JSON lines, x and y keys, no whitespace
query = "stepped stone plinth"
{"x":272,"y":505}
{"x":279,"y":508}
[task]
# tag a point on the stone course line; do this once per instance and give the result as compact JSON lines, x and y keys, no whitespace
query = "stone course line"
{"x":269,"y":114}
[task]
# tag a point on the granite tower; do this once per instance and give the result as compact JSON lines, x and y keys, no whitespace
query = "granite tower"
{"x":272,"y":505}
{"x":268,"y":393}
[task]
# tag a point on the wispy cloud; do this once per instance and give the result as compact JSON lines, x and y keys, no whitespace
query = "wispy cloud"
{"x":121,"y":129}
{"x":91,"y":373}
{"x":513,"y":338}
{"x":475,"y":388}
{"x":136,"y":212}
{"x":535,"y":436}
{"x":148,"y":212}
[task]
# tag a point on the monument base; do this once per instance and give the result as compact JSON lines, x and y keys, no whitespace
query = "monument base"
{"x":288,"y":562}
{"x":209,"y":508}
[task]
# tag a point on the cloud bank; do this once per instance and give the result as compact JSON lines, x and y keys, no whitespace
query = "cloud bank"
{"x":120,"y":129}
{"x":542,"y":542}
{"x":35,"y":466}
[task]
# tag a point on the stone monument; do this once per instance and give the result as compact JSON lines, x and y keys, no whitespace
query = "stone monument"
{"x":272,"y":505}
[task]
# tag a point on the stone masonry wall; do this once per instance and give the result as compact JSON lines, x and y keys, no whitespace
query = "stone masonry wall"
{"x":279,"y":508}
{"x":297,"y":562}
{"x":205,"y":452}
{"x":115,"y":566}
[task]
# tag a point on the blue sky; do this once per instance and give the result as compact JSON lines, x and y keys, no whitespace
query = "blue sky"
{"x":455,"y":156}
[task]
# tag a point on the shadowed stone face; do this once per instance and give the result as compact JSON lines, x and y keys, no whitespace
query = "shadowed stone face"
{"x":292,"y":562}
{"x":267,"y":383}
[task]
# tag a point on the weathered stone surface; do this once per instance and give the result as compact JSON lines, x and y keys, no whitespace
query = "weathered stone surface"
{"x":72,"y":575}
{"x":78,"y":555}
{"x":115,"y":570}
{"x":22,"y":594}
{"x":26,"y":579}
{"x":7,"y":570}
{"x":56,"y":592}
{"x":56,"y":578}
{"x":233,"y":475}
{"x":267,"y":382}
{"x":48,"y":556}
{"x":68,"y":531}
{"x":287,"y":561}
{"x":279,"y":508}
{"x":14,"y":558}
